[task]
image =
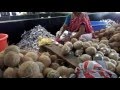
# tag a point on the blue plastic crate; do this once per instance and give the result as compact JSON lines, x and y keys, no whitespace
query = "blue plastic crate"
{"x":97,"y":25}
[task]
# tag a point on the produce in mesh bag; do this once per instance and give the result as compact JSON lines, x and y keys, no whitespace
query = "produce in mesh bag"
{"x":91,"y":51}
{"x":53,"y":74}
{"x":45,"y":60}
{"x":33,"y":55}
{"x":28,"y":69}
{"x":10,"y":73}
{"x":11,"y":59}
{"x":78,"y":45}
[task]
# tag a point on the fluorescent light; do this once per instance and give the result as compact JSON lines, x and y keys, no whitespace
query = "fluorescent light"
{"x":117,"y":12}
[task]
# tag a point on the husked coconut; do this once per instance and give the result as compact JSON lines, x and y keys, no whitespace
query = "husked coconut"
{"x":73,"y":40}
{"x":118,"y":69}
{"x":106,"y":59}
{"x":113,"y":61}
{"x":41,"y":66}
{"x":71,"y":71}
{"x":46,"y":70}
{"x":38,"y":75}
{"x":26,"y":58}
{"x":1,"y":60}
{"x":53,"y":74}
{"x":12,"y":48}
{"x":46,"y":53}
{"x":104,"y":38}
{"x":113,"y":55}
{"x":33,"y":55}
{"x":65,"y":50}
{"x":104,"y":42}
{"x":23,"y":51}
{"x":53,"y":58}
{"x":63,"y":71}
{"x":105,"y":50}
{"x":110,"y":66}
{"x":10,"y":73}
{"x":95,"y":40}
{"x":86,"y":45}
{"x":45,"y":60}
{"x":79,"y":52}
{"x":78,"y":45}
{"x":102,"y":45}
{"x":54,"y":66}
{"x":28,"y":69}
{"x":95,"y":45}
{"x":91,"y":51}
{"x":90,"y":42}
{"x":69,"y":44}
{"x":84,"y":57}
{"x":100,"y":53}
{"x":112,"y":50}
{"x":11,"y":59}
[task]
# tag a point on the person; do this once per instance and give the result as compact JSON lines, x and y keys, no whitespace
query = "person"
{"x":75,"y":25}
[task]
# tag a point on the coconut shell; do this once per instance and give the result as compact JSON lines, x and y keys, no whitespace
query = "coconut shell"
{"x":10,"y":73}
{"x":46,"y":70}
{"x":63,"y":71}
{"x":84,"y":57}
{"x":33,"y":55}
{"x":91,"y":51}
{"x":28,"y":69}
{"x":11,"y":59}
{"x":73,"y":40}
{"x":65,"y":50}
{"x":78,"y":45}
{"x":86,"y":45}
{"x":53,"y":58}
{"x":41,"y":66}
{"x":12,"y":48}
{"x":69,"y":44}
{"x":113,"y":55}
{"x":110,"y":66}
{"x":54,"y":66}
{"x":45,"y":60}
{"x":53,"y":74}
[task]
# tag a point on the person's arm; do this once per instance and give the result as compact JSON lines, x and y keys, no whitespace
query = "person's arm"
{"x":80,"y":32}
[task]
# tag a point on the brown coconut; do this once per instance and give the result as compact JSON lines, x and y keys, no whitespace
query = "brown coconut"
{"x":104,"y":42}
{"x":46,"y":53}
{"x":95,"y":40}
{"x":33,"y":55}
{"x":100,"y":53}
{"x":41,"y":66}
{"x":105,"y":50}
{"x":95,"y":45}
{"x":38,"y":75}
{"x":65,"y":50}
{"x":113,"y":55}
{"x":53,"y":74}
{"x":71,"y":71}
{"x":113,"y":61}
{"x":104,"y":38}
{"x":110,"y":66}
{"x":53,"y":58}
{"x":12,"y":48}
{"x":26,"y":58}
{"x":102,"y":45}
{"x":46,"y":70}
{"x":118,"y":69}
{"x":1,"y":60}
{"x":84,"y":57}
{"x":73,"y":40}
{"x":79,"y":52}
{"x":106,"y":59}
{"x":10,"y":73}
{"x":54,"y":66}
{"x":78,"y":45}
{"x":86,"y":45}
{"x":23,"y":51}
{"x":45,"y":60}
{"x":28,"y":69}
{"x":91,"y":51}
{"x":63,"y":71}
{"x":69,"y":44}
{"x":11,"y":59}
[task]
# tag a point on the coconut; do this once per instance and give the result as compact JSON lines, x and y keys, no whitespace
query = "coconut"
{"x":10,"y":73}
{"x":86,"y":45}
{"x":46,"y":70}
{"x":53,"y":74}
{"x":90,"y":42}
{"x":28,"y":69}
{"x":65,"y":50}
{"x":63,"y":71}
{"x":53,"y":58}
{"x":113,"y":61}
{"x":12,"y":48}
{"x":26,"y":58}
{"x":69,"y":44}
{"x":45,"y":60}
{"x":39,"y":75}
{"x":104,"y":42}
{"x":33,"y":55}
{"x":100,"y":53}
{"x":41,"y":66}
{"x":104,"y":38}
{"x":102,"y":45}
{"x":106,"y":59}
{"x":23,"y":51}
{"x":91,"y":51}
{"x":46,"y":53}
{"x":110,"y":66}
{"x":79,"y":52}
{"x":54,"y":66}
{"x":78,"y":45}
{"x":118,"y":69}
{"x":71,"y":71}
{"x":11,"y":59}
{"x":95,"y":45}
{"x":95,"y":40}
{"x":84,"y":57}
{"x":73,"y":40}
{"x":105,"y":50}
{"x":112,"y":50}
{"x":113,"y":55}
{"x":1,"y":60}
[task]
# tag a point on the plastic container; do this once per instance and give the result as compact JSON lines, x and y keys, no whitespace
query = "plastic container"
{"x":3,"y":41}
{"x":98,"y":25}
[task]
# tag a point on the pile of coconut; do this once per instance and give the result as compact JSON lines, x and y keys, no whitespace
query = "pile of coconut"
{"x":18,"y":63}
{"x":86,"y":50}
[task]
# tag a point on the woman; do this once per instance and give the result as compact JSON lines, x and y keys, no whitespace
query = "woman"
{"x":76,"y":25}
